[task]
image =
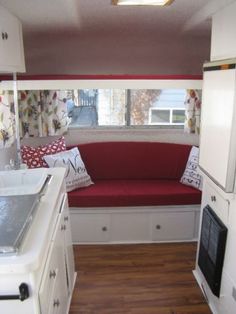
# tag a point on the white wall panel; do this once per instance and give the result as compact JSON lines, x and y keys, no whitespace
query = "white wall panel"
{"x":223,"y":42}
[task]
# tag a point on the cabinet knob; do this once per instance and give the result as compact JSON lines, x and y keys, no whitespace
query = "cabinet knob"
{"x":104,"y":228}
{"x":158,"y":227}
{"x":213,"y":198}
{"x":66,"y":218}
{"x":4,"y":35}
{"x":63,"y":227}
{"x":56,"y":303}
{"x":52,"y":274}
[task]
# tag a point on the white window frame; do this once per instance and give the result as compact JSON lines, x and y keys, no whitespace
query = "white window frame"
{"x":128,"y":84}
{"x":166,"y":109}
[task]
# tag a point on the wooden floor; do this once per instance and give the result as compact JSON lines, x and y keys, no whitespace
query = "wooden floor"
{"x":137,"y":279}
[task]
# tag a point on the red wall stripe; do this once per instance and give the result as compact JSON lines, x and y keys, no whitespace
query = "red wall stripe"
{"x":102,"y":77}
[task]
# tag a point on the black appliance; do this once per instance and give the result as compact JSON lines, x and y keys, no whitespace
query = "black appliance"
{"x":212,"y":249}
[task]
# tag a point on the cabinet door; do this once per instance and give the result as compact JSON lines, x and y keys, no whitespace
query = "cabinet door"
{"x":133,"y":227}
{"x":11,"y":43}
{"x":90,"y":227}
{"x":173,"y":226}
{"x":69,"y":254}
{"x":217,"y":156}
{"x":57,"y":304}
{"x":61,"y":291}
{"x":48,"y":281}
{"x":53,"y":288}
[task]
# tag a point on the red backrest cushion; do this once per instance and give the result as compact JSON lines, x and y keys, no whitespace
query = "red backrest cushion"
{"x":134,"y":160}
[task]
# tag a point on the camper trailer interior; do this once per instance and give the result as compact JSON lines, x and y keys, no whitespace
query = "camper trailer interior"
{"x":117,"y":157}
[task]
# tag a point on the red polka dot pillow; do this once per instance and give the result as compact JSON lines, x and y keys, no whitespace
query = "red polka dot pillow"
{"x":33,"y":156}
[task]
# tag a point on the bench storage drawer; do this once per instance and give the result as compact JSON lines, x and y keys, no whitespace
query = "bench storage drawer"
{"x":135,"y":224}
{"x":90,"y":227}
{"x":169,"y":226}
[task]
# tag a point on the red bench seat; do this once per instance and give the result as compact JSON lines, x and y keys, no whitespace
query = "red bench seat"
{"x":115,"y":193}
{"x":134,"y":174}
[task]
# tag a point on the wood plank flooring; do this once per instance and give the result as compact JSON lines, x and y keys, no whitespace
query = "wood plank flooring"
{"x":137,"y":279}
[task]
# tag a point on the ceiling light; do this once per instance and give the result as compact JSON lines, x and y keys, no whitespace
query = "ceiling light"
{"x":142,"y":2}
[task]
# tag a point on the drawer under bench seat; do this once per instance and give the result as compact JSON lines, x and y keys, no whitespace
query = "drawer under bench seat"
{"x":135,"y":224}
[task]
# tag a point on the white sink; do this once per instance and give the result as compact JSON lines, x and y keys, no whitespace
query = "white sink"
{"x":20,"y":182}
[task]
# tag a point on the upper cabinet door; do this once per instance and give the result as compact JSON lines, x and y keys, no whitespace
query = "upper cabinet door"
{"x":11,"y":43}
{"x":218,"y":128}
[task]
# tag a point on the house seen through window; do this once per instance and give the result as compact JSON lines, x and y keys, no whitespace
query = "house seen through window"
{"x":120,"y":107}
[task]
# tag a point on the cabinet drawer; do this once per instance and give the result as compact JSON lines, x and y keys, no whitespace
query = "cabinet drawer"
{"x":217,"y":203}
{"x":173,"y":226}
{"x":90,"y":227}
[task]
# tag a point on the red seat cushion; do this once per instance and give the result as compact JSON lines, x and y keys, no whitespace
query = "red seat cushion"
{"x":114,"y":193}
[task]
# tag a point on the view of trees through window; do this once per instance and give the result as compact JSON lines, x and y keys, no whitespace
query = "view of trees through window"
{"x":120,"y":107}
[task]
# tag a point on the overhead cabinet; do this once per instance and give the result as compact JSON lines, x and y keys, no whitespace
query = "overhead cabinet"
{"x":11,"y":43}
{"x":218,"y":129}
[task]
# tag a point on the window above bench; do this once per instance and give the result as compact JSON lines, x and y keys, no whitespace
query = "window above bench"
{"x":116,"y":102}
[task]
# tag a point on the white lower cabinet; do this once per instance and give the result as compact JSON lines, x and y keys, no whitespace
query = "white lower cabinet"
{"x":45,"y":262}
{"x":58,"y":277}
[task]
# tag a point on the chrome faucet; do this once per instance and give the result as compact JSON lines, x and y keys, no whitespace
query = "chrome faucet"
{"x":15,"y":165}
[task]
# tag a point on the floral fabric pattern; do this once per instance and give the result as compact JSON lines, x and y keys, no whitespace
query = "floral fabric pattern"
{"x":7,"y":119}
{"x":42,"y":113}
{"x":193,"y":111}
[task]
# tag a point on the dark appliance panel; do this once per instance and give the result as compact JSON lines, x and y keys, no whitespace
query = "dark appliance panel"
{"x":212,"y":249}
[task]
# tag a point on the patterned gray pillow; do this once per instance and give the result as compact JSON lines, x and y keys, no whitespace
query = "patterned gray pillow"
{"x":76,"y":173}
{"x":191,"y":175}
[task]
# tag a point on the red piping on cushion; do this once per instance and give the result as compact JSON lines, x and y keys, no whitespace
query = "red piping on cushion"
{"x":102,"y":77}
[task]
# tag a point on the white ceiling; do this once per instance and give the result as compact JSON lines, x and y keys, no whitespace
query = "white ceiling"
{"x":47,"y":24}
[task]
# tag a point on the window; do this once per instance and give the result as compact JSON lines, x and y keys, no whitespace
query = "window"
{"x":162,"y":116}
{"x":130,"y":107}
{"x":97,"y":107}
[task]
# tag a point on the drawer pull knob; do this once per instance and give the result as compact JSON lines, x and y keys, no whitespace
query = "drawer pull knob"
{"x":104,"y":228}
{"x":63,"y":227}
{"x":52,"y":274}
{"x":66,"y":218}
{"x":158,"y":227}
{"x":56,"y":303}
{"x":4,"y":35}
{"x":213,"y":198}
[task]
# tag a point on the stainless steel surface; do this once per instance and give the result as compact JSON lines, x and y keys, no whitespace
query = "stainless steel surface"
{"x":16,"y":214}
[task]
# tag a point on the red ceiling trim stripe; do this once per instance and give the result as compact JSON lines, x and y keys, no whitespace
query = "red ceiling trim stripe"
{"x":103,"y":77}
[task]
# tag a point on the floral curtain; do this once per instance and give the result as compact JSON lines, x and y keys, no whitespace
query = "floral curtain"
{"x":7,"y":119}
{"x":42,"y":113}
{"x":193,"y":111}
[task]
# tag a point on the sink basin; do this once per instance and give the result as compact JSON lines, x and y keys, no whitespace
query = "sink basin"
{"x":20,"y":182}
